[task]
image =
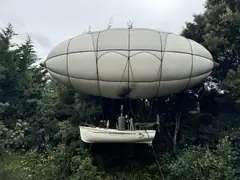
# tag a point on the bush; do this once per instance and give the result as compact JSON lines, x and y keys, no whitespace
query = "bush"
{"x":82,"y":169}
{"x":55,"y":165}
{"x":30,"y":166}
{"x":198,"y":163}
{"x":203,"y":164}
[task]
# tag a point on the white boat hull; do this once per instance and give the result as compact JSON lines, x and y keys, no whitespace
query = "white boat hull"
{"x":102,"y":135}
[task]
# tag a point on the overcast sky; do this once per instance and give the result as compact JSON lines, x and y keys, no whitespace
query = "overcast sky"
{"x":49,"y":22}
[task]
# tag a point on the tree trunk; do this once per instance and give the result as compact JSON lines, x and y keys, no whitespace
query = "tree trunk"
{"x":177,"y":125}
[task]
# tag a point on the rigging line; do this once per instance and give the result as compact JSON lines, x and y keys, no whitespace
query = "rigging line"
{"x":130,"y":68}
{"x":123,"y":74}
{"x":102,"y":107}
{"x":142,"y":106}
{"x":150,"y":109}
{"x":96,"y":48}
{"x":133,"y":79}
{"x":128,"y":59}
{"x":163,"y":51}
{"x":160,"y":68}
{"x":133,"y":113}
{"x":155,"y":156}
{"x":97,"y":58}
{"x":127,"y":64}
{"x":159,"y":167}
{"x":130,"y":100}
{"x":111,"y":109}
{"x":67,"y":67}
{"x":191,"y":71}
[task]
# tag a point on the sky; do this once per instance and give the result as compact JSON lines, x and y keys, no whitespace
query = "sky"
{"x":49,"y":22}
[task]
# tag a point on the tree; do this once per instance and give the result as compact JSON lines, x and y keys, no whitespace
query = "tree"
{"x":39,"y":118}
{"x":218,"y":30}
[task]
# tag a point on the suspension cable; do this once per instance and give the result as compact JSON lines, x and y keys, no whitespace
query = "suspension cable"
{"x":150,"y":109}
{"x":102,"y":108}
{"x":133,"y":113}
{"x":159,"y":167}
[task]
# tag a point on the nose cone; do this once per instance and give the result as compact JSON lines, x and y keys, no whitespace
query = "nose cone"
{"x":43,"y":64}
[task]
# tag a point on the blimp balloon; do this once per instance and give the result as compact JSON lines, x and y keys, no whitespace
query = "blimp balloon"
{"x":134,"y":63}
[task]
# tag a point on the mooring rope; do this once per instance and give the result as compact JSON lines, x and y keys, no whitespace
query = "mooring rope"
{"x":159,"y":167}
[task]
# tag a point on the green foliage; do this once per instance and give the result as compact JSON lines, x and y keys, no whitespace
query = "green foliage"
{"x":83,"y":169}
{"x":202,"y":163}
{"x":29,"y":166}
{"x":54,"y":165}
{"x":232,"y":84}
{"x":39,"y":118}
{"x":218,"y":30}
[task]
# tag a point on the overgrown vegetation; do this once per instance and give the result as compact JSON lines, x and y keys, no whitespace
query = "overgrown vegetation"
{"x":39,"y":118}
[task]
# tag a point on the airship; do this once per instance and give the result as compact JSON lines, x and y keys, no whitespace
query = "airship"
{"x":137,"y":63}
{"x":132,"y":63}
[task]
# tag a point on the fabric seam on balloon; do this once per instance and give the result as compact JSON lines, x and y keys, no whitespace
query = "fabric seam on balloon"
{"x":96,"y":54}
{"x":160,"y":68}
{"x":163,"y":53}
{"x":127,"y":81}
{"x":191,"y":65}
{"x":67,"y":64}
{"x":114,"y":50}
{"x":98,"y":82}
